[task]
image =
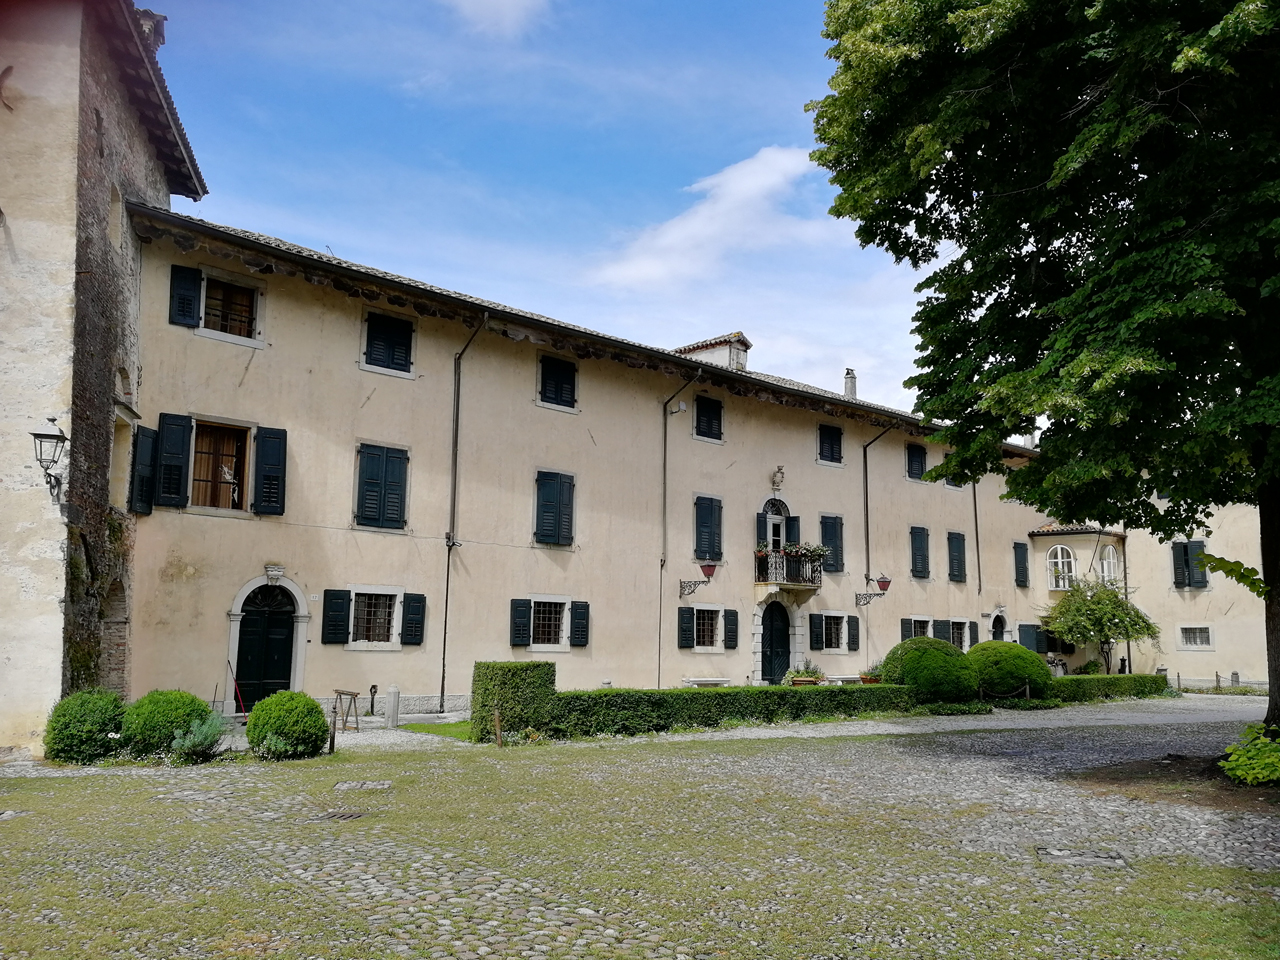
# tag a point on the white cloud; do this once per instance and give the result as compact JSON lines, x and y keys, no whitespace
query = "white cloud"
{"x":742,"y":211}
{"x":504,"y":18}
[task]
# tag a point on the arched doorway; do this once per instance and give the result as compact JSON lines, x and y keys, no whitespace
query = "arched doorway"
{"x":997,"y":627}
{"x":265,"y":657}
{"x":775,"y":646}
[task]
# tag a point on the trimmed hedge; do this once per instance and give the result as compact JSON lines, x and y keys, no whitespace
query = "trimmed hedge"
{"x":286,"y":725}
{"x":1107,"y":686}
{"x":589,"y":713}
{"x":151,"y":723}
{"x":520,"y":692}
{"x":938,"y":677}
{"x":1005,"y":669}
{"x":891,"y":668}
{"x":80,"y":726}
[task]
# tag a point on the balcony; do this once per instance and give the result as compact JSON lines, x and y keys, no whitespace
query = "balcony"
{"x":780,"y":571}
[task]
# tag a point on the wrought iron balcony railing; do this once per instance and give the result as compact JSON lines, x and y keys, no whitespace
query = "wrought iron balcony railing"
{"x":776,"y":567}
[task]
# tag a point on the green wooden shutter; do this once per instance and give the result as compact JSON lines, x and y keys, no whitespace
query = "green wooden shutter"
{"x":142,"y":478}
{"x":919,"y":552}
{"x":717,"y":530}
{"x":942,"y":630}
{"x":917,"y":461}
{"x":973,"y":634}
{"x":270,"y":449}
{"x":955,"y":557}
{"x":521,"y":622}
{"x":1181,"y":565}
{"x":579,"y":623}
{"x":564,"y":523}
{"x":1197,"y":574}
{"x":184,"y":296}
{"x":394,"y":484}
{"x":793,"y":530}
{"x":369,"y":496}
{"x":389,"y":343}
{"x":702,"y":532}
{"x":908,"y":629}
{"x":546,"y":526}
{"x":558,"y":382}
{"x":1027,"y":636}
{"x":685,"y":637}
{"x":731,"y":629}
{"x":855,"y":633}
{"x":833,"y":539}
{"x":762,"y":528}
{"x":830,"y":444}
{"x":413,"y":620}
{"x":1042,"y":640}
{"x":815,"y":631}
{"x":173,"y":460}
{"x":1021,"y":568}
{"x":337,"y":616}
{"x":709,"y":415}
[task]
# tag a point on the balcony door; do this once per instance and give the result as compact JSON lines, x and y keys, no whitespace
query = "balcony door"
{"x":775,"y":643}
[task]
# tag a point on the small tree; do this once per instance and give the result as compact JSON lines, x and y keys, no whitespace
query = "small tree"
{"x":1095,"y":613}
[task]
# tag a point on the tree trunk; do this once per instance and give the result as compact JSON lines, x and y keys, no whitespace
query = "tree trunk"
{"x":1269,"y":521}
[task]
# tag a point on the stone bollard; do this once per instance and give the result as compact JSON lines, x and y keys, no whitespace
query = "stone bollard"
{"x":1235,"y":678}
{"x":393,"y":707}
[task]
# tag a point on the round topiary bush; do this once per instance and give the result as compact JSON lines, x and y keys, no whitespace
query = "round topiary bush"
{"x":891,"y":668}
{"x":1005,"y":670}
{"x":287,"y":724}
{"x":151,"y":723}
{"x":84,"y":727}
{"x":936,"y":676}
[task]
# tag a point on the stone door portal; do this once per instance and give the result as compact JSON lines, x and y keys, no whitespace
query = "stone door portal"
{"x":776,"y":643}
{"x":265,"y":656}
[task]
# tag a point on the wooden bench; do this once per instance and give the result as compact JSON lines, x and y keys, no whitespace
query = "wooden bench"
{"x":707,"y":681}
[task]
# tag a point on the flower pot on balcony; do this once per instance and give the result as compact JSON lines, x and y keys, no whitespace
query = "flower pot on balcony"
{"x":804,"y":681}
{"x":867,"y":679}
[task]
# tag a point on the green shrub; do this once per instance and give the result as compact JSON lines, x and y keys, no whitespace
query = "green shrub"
{"x":518,"y":691}
{"x":809,"y":670}
{"x":84,"y":727}
{"x":199,"y":743}
{"x":1088,"y":669}
{"x":1006,"y":669}
{"x":891,"y":666}
{"x":151,"y":723}
{"x":1255,"y":760}
{"x":1106,"y":686}
{"x":587,"y":713}
{"x":287,"y":725}
{"x":936,"y":676}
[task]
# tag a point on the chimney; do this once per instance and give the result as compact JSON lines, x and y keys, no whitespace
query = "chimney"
{"x":850,"y":383}
{"x":729,"y":350}
{"x":151,"y":26}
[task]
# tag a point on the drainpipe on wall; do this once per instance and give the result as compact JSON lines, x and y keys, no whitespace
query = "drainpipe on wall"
{"x":866,"y":525}
{"x":662,"y":562}
{"x":449,"y":540}
{"x":977,"y":537}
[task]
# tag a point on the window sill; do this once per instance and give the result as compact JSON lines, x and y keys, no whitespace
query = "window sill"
{"x":389,"y":647}
{"x":712,"y":440}
{"x":217,"y":512}
{"x":1196,"y":650}
{"x":387,"y":371}
{"x":395,"y":531}
{"x":838,"y":464}
{"x":548,"y":648}
{"x":559,"y":408}
{"x":251,"y":342}
{"x":715,"y":648}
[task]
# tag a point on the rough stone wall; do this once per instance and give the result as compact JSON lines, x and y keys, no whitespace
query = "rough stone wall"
{"x":115,"y":162}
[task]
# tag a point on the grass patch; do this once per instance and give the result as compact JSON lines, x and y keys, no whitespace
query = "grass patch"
{"x":458,"y":731}
{"x":1228,"y":691}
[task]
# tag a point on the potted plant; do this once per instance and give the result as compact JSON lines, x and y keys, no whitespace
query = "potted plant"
{"x":810,"y":674}
{"x":872,"y":673}
{"x":805,"y":551}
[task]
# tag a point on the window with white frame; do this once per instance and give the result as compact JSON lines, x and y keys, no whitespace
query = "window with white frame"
{"x":1196,"y":638}
{"x":1062,"y":567}
{"x":706,"y":626}
{"x":833,"y":632}
{"x":1109,"y":564}
{"x":548,"y":623}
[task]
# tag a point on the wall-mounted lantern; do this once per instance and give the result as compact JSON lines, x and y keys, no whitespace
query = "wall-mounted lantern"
{"x":862,"y":599}
{"x":689,"y":586}
{"x":49,"y":447}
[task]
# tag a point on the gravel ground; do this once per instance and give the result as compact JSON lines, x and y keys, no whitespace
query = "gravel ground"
{"x":840,"y":840}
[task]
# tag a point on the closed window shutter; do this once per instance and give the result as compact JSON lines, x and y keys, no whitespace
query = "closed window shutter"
{"x":710,"y":417}
{"x":413,"y":621}
{"x":372,"y":469}
{"x":908,"y":630}
{"x":762,"y":528}
{"x":815,"y":631}
{"x":184,"y":296}
{"x":173,"y":457}
{"x":855,"y":633}
{"x":337,"y":616}
{"x":942,"y":630}
{"x":389,"y":343}
{"x":564,"y":524}
{"x":1197,"y":575}
{"x":731,"y":629}
{"x":955,"y":557}
{"x":270,"y":449}
{"x":142,"y":478}
{"x":394,"y":484}
{"x":973,"y":634}
{"x":916,"y":461}
{"x":1027,"y":636}
{"x":833,"y":540}
{"x":1021,"y":569}
{"x":702,"y":535}
{"x":521,"y":623}
{"x":1042,"y":640}
{"x":558,"y":381}
{"x":579,"y":623}
{"x":685,"y":636}
{"x":919,"y":552}
{"x":1181,"y":564}
{"x":717,"y":544}
{"x":793,"y":529}
{"x":830,"y":444}
{"x":547,"y":519}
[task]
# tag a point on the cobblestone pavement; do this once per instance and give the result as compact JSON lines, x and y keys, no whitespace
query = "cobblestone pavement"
{"x":939,"y":833}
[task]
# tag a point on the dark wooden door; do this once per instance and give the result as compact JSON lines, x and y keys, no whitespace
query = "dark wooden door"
{"x":265,"y":659}
{"x":776,"y":645}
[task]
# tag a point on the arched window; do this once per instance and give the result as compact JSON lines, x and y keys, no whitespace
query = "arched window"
{"x":1062,"y":567}
{"x":1109,"y":565}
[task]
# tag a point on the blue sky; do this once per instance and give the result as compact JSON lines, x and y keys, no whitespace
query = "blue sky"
{"x":637,"y":166}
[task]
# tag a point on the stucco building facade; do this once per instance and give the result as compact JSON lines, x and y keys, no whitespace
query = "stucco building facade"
{"x":290,"y":471}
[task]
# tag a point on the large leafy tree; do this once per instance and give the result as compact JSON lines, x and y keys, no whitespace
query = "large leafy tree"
{"x":1096,"y":184}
